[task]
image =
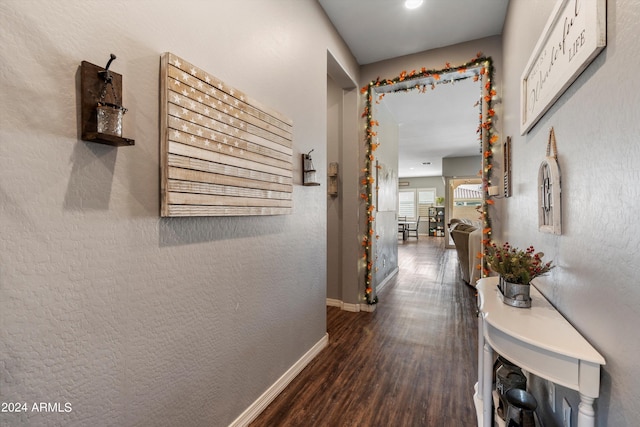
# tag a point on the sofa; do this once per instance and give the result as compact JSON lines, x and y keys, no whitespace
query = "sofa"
{"x":467,"y":238}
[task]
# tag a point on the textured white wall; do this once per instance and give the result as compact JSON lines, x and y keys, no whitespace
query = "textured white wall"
{"x":596,"y":124}
{"x":133,"y":319}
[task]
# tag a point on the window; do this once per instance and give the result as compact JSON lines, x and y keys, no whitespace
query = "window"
{"x":407,"y":203}
{"x":426,"y":198}
{"x":415,"y":202}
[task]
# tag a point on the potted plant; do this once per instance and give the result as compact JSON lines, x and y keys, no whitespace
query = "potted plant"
{"x":516,"y":268}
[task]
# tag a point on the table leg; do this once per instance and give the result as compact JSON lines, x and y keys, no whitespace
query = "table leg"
{"x":487,"y":402}
{"x":586,"y":413}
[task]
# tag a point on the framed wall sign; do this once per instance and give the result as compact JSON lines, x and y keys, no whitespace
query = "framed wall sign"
{"x":573,"y":36}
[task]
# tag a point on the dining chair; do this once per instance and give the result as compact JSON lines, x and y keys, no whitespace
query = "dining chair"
{"x":413,"y":229}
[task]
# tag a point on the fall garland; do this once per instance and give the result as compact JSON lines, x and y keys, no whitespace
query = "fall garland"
{"x":421,"y":81}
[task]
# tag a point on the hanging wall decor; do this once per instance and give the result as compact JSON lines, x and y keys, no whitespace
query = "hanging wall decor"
{"x":101,"y":105}
{"x":222,"y":152}
{"x":574,"y":35}
{"x":549,"y":200}
{"x":506,"y":153}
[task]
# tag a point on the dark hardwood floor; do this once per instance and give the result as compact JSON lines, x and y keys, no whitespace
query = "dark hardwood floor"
{"x":412,"y":362}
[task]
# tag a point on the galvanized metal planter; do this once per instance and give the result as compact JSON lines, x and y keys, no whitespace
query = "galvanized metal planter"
{"x":514,"y":294}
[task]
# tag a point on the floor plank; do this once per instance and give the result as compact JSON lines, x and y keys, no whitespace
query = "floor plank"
{"x":412,"y":362}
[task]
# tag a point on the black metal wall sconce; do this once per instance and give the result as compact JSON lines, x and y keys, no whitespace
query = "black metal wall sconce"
{"x":102,"y":112}
{"x":308,"y":171}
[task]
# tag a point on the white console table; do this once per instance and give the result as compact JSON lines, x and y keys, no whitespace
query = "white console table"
{"x":540,"y":341}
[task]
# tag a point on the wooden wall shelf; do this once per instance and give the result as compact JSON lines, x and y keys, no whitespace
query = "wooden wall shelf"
{"x":105,"y":138}
{"x":91,"y":84}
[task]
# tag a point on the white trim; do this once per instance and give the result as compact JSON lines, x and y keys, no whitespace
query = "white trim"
{"x":334,"y":303}
{"x":387,"y":279}
{"x":355,"y":308}
{"x":369,"y":308}
{"x":256,"y":408}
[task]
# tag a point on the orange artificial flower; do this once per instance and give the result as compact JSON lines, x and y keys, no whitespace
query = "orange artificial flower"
{"x":490,"y":202}
{"x":447,"y":65}
{"x":462,"y":70}
{"x":486,"y":230}
{"x":436,"y":76}
{"x":487,"y":154}
{"x":476,"y":78}
{"x":403,"y":75}
{"x":374,"y":146}
{"x":371,"y":157}
{"x":493,"y":139}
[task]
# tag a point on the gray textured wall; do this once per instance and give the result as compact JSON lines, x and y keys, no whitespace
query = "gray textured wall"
{"x":334,"y":203}
{"x":133,"y":319}
{"x":595,"y":285}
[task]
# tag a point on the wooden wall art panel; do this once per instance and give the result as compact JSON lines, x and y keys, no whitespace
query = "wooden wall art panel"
{"x":222,"y":153}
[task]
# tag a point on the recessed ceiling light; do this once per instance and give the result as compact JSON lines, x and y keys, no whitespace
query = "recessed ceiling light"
{"x":412,"y":4}
{"x":426,"y":163}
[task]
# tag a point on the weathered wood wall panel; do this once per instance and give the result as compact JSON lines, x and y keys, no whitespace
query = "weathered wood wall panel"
{"x":222,"y":153}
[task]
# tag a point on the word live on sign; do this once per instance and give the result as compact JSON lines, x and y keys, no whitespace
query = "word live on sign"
{"x":573,"y":36}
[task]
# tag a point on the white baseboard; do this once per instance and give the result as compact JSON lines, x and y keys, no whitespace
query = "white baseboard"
{"x":387,"y":280}
{"x":334,"y":303}
{"x":256,"y":408}
{"x":354,"y":308}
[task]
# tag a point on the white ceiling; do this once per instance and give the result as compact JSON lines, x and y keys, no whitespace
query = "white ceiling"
{"x":440,"y":123}
{"x":436,"y":124}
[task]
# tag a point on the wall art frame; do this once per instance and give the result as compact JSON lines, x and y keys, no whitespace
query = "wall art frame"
{"x":222,"y":153}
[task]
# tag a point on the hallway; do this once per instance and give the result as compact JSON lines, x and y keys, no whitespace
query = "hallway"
{"x":410,"y":363}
